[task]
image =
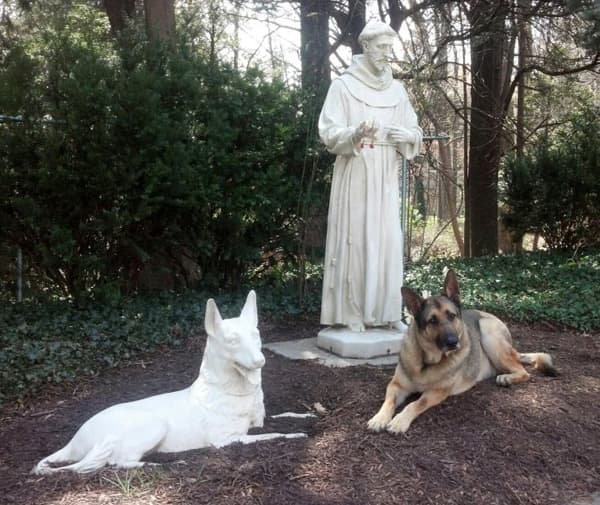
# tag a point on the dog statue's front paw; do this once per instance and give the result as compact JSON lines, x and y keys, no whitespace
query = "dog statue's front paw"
{"x":378,"y":422}
{"x":399,"y":424}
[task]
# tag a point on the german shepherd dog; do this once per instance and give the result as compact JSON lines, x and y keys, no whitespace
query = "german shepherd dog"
{"x":447,"y":351}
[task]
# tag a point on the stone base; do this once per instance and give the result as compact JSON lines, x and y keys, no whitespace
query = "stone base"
{"x":366,"y":344}
{"x":306,"y":349}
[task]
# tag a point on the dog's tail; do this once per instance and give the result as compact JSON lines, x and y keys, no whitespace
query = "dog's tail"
{"x":541,"y":361}
{"x":95,"y":459}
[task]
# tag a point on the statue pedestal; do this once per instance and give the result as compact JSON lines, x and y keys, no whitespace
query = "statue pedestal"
{"x":371,"y":343}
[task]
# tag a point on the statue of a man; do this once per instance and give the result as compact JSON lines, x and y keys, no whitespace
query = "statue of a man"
{"x":368,"y":122}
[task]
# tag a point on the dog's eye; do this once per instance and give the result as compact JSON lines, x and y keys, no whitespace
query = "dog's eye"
{"x":433,"y":321}
{"x":451,"y":316}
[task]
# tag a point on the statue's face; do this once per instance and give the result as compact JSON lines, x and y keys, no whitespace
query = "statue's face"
{"x":378,"y":51}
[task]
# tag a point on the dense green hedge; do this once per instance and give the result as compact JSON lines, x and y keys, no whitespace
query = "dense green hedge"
{"x":57,"y":341}
{"x":152,"y":160}
{"x":554,"y":190}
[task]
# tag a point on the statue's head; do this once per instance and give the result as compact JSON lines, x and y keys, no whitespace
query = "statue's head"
{"x":377,"y":40}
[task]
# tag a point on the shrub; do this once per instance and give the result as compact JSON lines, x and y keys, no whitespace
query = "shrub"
{"x":537,"y":286}
{"x":555,"y":191}
{"x":155,"y":160}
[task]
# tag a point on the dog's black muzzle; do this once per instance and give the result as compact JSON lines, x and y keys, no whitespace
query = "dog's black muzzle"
{"x":451,"y":341}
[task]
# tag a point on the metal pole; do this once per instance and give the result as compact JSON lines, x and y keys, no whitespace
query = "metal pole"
{"x":19,"y":275}
{"x":19,"y":119}
{"x":404,"y":203}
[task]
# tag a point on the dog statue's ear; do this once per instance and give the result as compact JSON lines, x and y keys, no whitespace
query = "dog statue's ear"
{"x":212,"y":319}
{"x":451,"y":287}
{"x":249,"y":312}
{"x":414,"y":303}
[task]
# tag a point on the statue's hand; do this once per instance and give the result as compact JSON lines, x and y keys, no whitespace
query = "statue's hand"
{"x":365,"y":129}
{"x":401,"y":134}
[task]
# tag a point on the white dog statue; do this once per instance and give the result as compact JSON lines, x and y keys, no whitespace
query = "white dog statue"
{"x":217,"y":409}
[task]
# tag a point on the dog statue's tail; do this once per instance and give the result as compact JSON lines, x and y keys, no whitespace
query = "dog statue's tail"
{"x":541,"y":361}
{"x":95,"y":459}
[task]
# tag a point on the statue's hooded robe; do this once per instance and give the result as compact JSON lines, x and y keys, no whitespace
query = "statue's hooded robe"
{"x":364,"y":249}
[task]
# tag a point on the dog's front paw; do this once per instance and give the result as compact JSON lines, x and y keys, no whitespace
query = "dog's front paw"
{"x":504,"y":380}
{"x":399,"y":424}
{"x":378,"y":422}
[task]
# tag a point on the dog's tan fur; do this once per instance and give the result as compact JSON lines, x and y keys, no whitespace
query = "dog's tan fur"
{"x":446,"y":352}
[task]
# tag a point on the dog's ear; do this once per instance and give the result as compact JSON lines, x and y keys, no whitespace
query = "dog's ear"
{"x":451,"y":287}
{"x":414,"y":303}
{"x":249,"y":312}
{"x":213,"y":321}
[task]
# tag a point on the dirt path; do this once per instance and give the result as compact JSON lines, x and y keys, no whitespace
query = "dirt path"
{"x":537,"y":443}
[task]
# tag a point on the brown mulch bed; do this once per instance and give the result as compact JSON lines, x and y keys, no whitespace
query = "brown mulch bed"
{"x":536,"y":443}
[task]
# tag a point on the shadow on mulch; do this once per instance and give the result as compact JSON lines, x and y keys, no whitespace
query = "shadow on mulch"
{"x":536,"y":443}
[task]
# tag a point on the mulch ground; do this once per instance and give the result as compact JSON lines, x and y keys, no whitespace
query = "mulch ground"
{"x":535,"y":443}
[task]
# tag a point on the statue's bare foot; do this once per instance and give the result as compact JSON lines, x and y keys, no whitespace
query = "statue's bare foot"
{"x":398,"y":325}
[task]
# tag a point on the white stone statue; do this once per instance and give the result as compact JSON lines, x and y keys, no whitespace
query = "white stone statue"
{"x":217,"y":409}
{"x":368,"y":122}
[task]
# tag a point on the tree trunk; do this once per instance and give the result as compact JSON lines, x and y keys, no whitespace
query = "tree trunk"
{"x":212,"y":27}
{"x":446,"y":203}
{"x":487,"y":115}
{"x":314,"y":48}
{"x":395,"y":10}
{"x":448,"y":193}
{"x":524,"y":49}
{"x":237,"y":5}
{"x":316,"y":78}
{"x":160,"y":18}
{"x":441,"y":114}
{"x":357,"y":13}
{"x":350,"y":19}
{"x":465,"y":146}
{"x":118,"y":12}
